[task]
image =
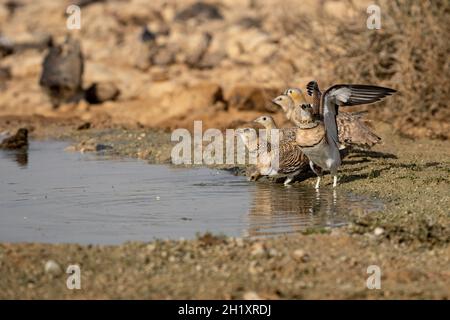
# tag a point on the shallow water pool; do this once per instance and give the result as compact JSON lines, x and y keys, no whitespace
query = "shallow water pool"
{"x":49,"y":195}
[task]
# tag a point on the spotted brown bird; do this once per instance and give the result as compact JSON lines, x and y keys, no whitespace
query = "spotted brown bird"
{"x":282,"y":157}
{"x":269,"y":124}
{"x":16,"y":141}
{"x":318,"y":138}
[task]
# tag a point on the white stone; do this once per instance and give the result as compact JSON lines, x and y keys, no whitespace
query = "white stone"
{"x":53,"y":268}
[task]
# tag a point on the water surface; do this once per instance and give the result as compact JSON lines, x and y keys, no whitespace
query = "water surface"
{"x":49,"y":195}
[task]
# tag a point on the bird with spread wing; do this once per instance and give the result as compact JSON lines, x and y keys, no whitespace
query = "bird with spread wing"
{"x":317,"y":133}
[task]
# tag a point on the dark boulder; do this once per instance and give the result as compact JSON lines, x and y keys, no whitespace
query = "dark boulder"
{"x":6,"y":47}
{"x":62,"y":72}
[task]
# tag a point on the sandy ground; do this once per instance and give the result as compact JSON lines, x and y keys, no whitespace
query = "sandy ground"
{"x":409,"y":240}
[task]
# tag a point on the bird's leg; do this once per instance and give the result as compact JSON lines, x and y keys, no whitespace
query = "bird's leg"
{"x":319,"y":174}
{"x":335,"y":180}
{"x":318,"y":182}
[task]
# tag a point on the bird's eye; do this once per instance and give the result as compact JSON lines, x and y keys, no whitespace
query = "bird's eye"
{"x":264,"y":118}
{"x":289,"y":91}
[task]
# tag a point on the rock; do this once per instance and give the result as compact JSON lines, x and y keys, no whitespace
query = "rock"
{"x":12,"y":6}
{"x":249,"y":22}
{"x":131,"y":14}
{"x":258,"y":249}
{"x":198,"y":45}
{"x":378,"y":231}
{"x":143,"y":56}
{"x":199,"y":96}
{"x":152,"y":54}
{"x":239,"y":242}
{"x":200,"y":11}
{"x":251,"y":295}
{"x":85,"y":3}
{"x":5,"y":75}
{"x":250,"y":46}
{"x":84,"y":126}
{"x":52,"y":267}
{"x":6,"y":47}
{"x":211,"y":60}
{"x":300,"y":255}
{"x":101,"y":92}
{"x":89,"y":145}
{"x":17,"y":141}
{"x":62,"y":72}
{"x":36,"y":41}
{"x":159,"y":28}
{"x":147,"y":35}
{"x":250,"y":97}
{"x":159,"y":73}
{"x":163,"y":56}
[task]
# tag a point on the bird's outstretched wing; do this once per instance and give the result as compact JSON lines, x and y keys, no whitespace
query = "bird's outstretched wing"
{"x":312,"y":88}
{"x":347,"y":95}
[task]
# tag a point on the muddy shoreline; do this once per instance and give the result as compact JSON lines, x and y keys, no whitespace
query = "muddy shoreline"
{"x":409,"y":240}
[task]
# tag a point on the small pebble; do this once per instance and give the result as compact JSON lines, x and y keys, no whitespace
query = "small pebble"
{"x":239,"y":242}
{"x":301,"y":255}
{"x":258,"y":249}
{"x":251,"y":295}
{"x":53,"y":268}
{"x":378,"y":231}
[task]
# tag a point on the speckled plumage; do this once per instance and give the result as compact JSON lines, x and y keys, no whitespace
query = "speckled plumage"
{"x":291,"y":160}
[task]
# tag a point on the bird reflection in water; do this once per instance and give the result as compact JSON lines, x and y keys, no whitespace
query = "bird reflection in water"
{"x":276,"y":209}
{"x":19,"y":156}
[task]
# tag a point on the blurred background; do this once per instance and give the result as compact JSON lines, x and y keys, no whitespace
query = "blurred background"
{"x":166,"y":63}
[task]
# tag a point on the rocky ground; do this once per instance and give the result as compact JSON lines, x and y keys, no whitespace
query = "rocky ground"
{"x":168,"y":63}
{"x":150,"y":67}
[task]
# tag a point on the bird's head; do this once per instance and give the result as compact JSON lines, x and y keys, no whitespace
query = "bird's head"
{"x":296,"y":95}
{"x":284,"y":101}
{"x":266,"y":121}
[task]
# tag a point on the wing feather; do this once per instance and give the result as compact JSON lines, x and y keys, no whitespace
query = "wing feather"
{"x":348,"y":95}
{"x":312,"y":88}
